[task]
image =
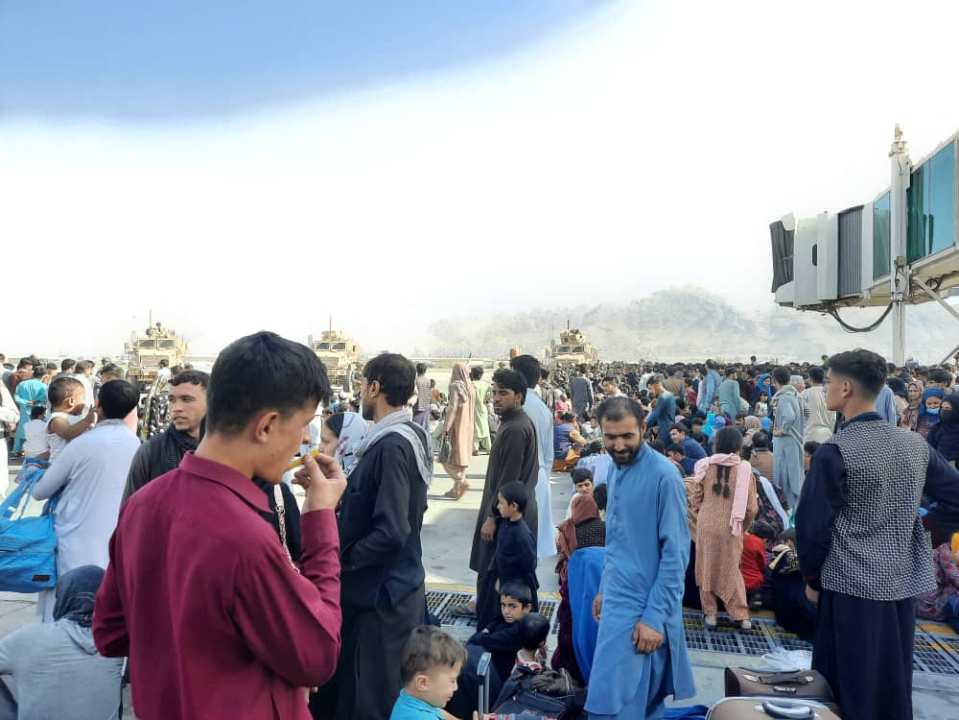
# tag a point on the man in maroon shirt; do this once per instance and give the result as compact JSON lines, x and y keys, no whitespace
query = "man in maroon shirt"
{"x":200,"y":594}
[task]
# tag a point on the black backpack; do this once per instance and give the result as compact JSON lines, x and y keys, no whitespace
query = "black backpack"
{"x":551,"y":694}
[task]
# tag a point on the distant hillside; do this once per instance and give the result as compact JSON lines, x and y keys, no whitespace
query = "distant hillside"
{"x":690,"y":323}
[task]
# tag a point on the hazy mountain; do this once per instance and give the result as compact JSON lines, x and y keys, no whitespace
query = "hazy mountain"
{"x":690,"y":323}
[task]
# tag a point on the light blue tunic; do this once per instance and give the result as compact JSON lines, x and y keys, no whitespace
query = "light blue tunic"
{"x":788,"y":471}
{"x":30,"y":394}
{"x":647,"y":549}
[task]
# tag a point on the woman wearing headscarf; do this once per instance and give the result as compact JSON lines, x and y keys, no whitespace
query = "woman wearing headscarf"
{"x":929,"y":410}
{"x":53,"y":668}
{"x":751,"y":426}
{"x":942,"y":519}
{"x":582,"y":529}
{"x":910,"y":415}
{"x":458,"y":430}
{"x":724,"y":503}
{"x":340,"y":435}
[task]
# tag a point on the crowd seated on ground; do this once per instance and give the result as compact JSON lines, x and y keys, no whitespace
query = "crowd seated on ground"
{"x":742,"y":437}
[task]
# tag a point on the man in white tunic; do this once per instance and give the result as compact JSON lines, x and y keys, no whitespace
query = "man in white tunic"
{"x":91,"y":472}
{"x":529,"y":368}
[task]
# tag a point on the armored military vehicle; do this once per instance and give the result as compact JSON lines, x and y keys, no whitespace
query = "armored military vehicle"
{"x":340,"y":355}
{"x":572,"y":349}
{"x":147,"y":350}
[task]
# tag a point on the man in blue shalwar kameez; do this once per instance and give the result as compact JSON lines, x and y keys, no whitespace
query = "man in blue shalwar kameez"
{"x":640,"y":654}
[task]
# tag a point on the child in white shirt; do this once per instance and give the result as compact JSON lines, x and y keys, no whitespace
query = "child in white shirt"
{"x":35,"y":433}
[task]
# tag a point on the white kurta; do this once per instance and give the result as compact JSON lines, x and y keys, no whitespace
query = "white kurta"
{"x":92,"y":470}
{"x":543,"y":422}
{"x":9,"y":413}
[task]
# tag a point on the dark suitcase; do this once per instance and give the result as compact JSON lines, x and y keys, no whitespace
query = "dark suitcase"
{"x":800,"y":684}
{"x":765,"y":708}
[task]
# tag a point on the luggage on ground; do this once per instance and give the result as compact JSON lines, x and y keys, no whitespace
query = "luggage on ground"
{"x":764,"y":708}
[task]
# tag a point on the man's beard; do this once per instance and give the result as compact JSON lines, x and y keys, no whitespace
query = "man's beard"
{"x":626,"y":457}
{"x":367,"y":410}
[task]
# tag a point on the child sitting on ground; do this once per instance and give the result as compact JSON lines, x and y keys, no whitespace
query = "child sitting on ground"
{"x":431,"y":663}
{"x":515,"y":555}
{"x":502,"y":636}
{"x":35,"y":433}
{"x":533,"y":631}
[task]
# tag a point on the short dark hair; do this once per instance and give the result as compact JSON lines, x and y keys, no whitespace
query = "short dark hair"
{"x":52,"y":366}
{"x":117,"y":398}
{"x":533,"y":630}
{"x":62,"y":388}
{"x":582,"y":474}
{"x":781,"y":375}
{"x":164,"y":363}
{"x":680,"y":427}
{"x":191,"y":377}
{"x":515,"y":493}
{"x":600,"y":496}
{"x":810,"y":447}
{"x":760,"y":440}
{"x":396,"y":376}
{"x":567,"y":417}
{"x":426,"y":648}
{"x":518,"y":591}
{"x":866,"y":368}
{"x":940,"y":375}
{"x":817,"y":375}
{"x":261,"y":372}
{"x":38,"y":412}
{"x":421,"y":368}
{"x":617,"y":408}
{"x":675,"y":448}
{"x":528,"y":367}
{"x":84,"y":365}
{"x":25,"y":363}
{"x":544,"y":374}
{"x":730,"y":371}
{"x":111,"y":369}
{"x":476,"y":372}
{"x":511,"y":380}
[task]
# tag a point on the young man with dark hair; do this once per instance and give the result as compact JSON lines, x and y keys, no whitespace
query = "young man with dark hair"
{"x":380,"y":522}
{"x":198,"y":593}
{"x":862,"y":547}
{"x":679,"y":434}
{"x":640,"y":653}
{"x":163,"y":453}
{"x":541,"y":503}
{"x":581,"y":393}
{"x":514,"y":456}
{"x":663,"y":415}
{"x":819,"y":419}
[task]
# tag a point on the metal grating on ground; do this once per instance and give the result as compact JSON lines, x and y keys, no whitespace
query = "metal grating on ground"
{"x":449,"y":607}
{"x":937,"y":654}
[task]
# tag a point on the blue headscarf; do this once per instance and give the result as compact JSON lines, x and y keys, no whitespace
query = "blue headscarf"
{"x":923,"y":412}
{"x":76,"y":591}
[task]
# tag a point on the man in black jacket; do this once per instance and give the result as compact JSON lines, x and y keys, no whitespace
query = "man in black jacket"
{"x":381,"y":554}
{"x":163,"y":453}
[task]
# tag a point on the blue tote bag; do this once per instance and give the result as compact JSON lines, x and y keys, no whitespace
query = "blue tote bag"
{"x":28,"y":545}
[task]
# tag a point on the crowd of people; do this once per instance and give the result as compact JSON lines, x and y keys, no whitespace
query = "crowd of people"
{"x":812,"y":490}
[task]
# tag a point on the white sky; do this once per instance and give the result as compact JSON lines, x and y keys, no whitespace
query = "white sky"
{"x":650,"y":148}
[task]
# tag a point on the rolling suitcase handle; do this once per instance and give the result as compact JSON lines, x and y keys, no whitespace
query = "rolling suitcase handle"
{"x":483,"y":672}
{"x":788,"y":712}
